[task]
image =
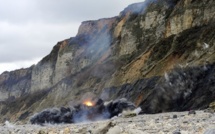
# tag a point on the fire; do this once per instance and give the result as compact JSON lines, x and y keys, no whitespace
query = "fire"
{"x":88,"y":103}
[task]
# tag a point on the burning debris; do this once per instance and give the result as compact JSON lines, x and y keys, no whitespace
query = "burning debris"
{"x":88,"y":111}
{"x":88,"y":103}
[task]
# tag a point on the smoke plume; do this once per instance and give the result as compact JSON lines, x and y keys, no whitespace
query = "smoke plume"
{"x":83,"y":113}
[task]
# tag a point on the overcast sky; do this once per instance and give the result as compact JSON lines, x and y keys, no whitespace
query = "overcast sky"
{"x":30,"y":28}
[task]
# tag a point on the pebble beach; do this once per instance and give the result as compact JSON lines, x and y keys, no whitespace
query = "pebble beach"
{"x":200,"y":122}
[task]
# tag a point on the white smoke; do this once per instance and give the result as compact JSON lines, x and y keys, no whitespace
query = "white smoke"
{"x":166,"y":76}
{"x":9,"y":125}
{"x":127,"y":113}
{"x":137,"y":110}
{"x":205,"y":46}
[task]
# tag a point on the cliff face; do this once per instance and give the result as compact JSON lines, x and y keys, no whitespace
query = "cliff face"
{"x":14,"y":84}
{"x":154,"y":51}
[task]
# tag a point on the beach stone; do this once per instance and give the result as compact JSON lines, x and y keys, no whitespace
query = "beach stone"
{"x":135,"y":131}
{"x":191,"y":112}
{"x":114,"y":130}
{"x":66,"y":131}
{"x":102,"y":128}
{"x":174,"y":116}
{"x":176,"y":132}
{"x":210,"y":131}
{"x":42,"y":132}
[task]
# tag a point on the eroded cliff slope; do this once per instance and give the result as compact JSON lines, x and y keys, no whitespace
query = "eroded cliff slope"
{"x":160,"y":54}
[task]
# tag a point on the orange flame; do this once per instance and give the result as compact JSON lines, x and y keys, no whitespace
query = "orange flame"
{"x":88,"y":103}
